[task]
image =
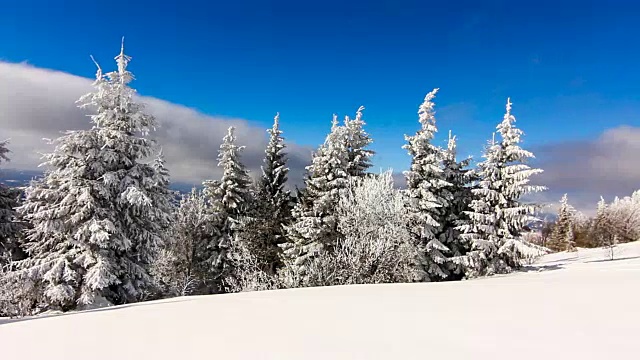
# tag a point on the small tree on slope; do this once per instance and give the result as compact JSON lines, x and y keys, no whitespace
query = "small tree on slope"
{"x":600,"y":226}
{"x":562,"y":237}
{"x":9,"y":226}
{"x":429,"y":193}
{"x":315,"y":224}
{"x":604,"y":228}
{"x":263,"y":229}
{"x":97,"y":215}
{"x":498,"y":215}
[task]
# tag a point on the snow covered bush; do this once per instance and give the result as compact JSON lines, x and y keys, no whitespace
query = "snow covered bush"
{"x":616,"y":222}
{"x":185,"y":266}
{"x":248,"y":273}
{"x":377,"y":246}
{"x":19,"y":294}
{"x":624,"y":217}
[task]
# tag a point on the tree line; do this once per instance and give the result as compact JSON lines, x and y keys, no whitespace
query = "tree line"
{"x":102,"y":226}
{"x":614,"y":223}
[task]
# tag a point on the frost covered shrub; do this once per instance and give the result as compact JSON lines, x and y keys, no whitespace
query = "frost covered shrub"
{"x":185,"y":266}
{"x":624,"y":217}
{"x":19,"y":295}
{"x":247,"y":274}
{"x":377,"y":246}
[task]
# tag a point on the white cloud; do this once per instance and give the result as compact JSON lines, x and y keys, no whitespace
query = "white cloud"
{"x":37,"y":103}
{"x":608,"y":166}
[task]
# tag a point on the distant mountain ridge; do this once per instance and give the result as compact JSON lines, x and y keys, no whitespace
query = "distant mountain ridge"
{"x":21,"y":178}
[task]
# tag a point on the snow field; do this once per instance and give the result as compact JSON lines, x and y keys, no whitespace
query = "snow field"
{"x":563,"y":307}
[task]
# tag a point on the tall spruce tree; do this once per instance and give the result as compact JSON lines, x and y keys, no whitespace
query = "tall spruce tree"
{"x":314,"y":228}
{"x":97,"y":216}
{"x":358,"y":155}
{"x":263,"y":228}
{"x":498,"y":215}
{"x":460,"y":178}
{"x":9,"y":226}
{"x":429,"y":193}
{"x":229,"y":200}
{"x":274,"y":171}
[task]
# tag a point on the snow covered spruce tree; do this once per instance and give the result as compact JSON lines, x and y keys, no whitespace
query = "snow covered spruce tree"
{"x":9,"y":226}
{"x":562,"y":236}
{"x":229,"y":200}
{"x":497,"y":214}
{"x":600,"y":226}
{"x":233,"y":188}
{"x":99,"y":214}
{"x":262,"y":230}
{"x":185,"y":265}
{"x":314,"y":228}
{"x":358,"y":156}
{"x":429,"y":193}
{"x":459,"y":177}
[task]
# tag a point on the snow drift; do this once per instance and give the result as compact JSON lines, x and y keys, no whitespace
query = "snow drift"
{"x":569,"y":305}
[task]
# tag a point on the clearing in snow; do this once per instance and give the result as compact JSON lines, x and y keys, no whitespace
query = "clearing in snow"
{"x":567,"y":306}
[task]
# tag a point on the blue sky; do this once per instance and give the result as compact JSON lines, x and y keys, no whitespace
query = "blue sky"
{"x":569,"y":67}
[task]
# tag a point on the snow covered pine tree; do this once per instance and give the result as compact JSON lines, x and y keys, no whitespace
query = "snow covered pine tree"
{"x":459,"y":176}
{"x":498,"y":216}
{"x":315,"y":225}
{"x":229,"y":200}
{"x":263,"y":229}
{"x":429,"y":193}
{"x":358,"y":156}
{"x":562,"y":236}
{"x":9,"y":227}
{"x":99,"y":214}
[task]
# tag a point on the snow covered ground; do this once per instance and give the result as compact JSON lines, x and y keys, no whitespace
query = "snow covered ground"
{"x":564,"y":307}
